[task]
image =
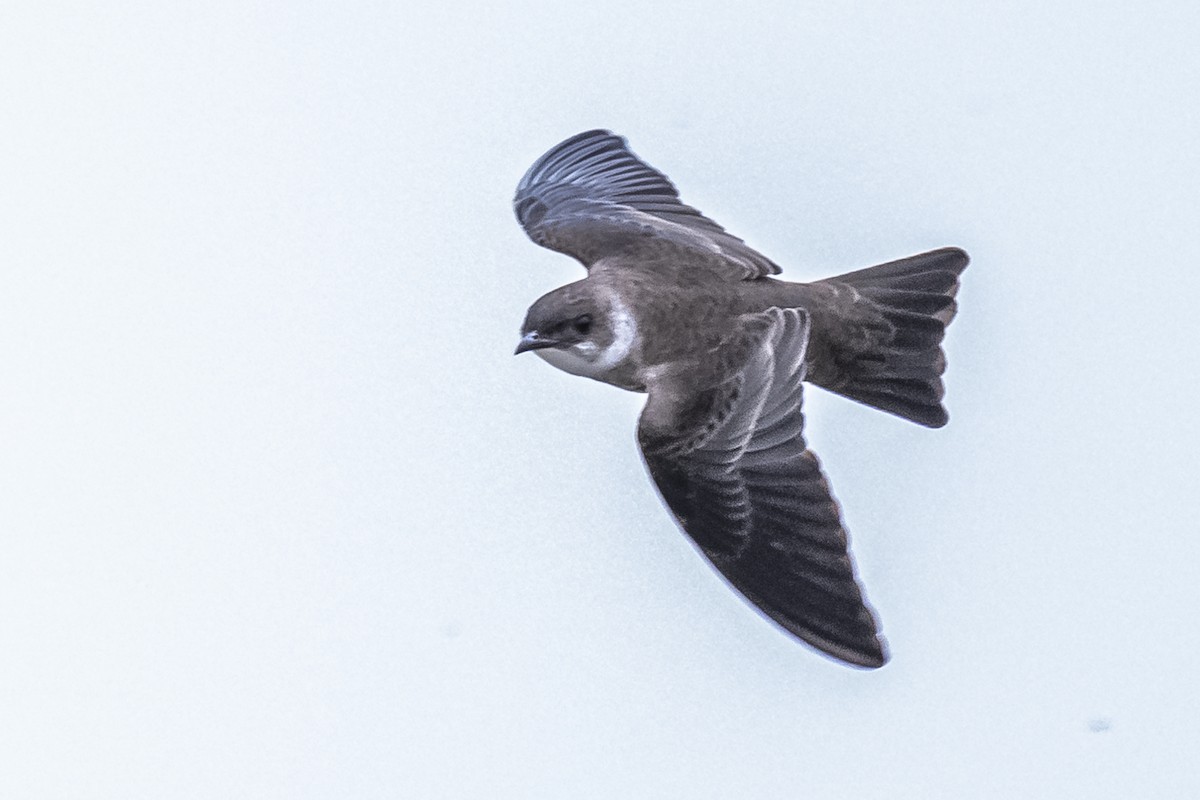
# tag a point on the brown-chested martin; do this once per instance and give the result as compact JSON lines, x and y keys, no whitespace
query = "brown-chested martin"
{"x":676,"y":307}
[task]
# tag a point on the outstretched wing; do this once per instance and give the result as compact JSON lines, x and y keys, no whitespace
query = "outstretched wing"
{"x":732,"y":465}
{"x":591,"y":198}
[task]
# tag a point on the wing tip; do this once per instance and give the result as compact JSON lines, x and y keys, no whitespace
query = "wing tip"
{"x":565,"y":147}
{"x":866,"y":653}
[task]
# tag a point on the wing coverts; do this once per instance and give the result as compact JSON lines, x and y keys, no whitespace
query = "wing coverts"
{"x":591,"y":198}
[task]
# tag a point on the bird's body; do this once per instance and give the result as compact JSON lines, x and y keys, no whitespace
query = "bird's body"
{"x":676,"y":307}
{"x":690,"y":308}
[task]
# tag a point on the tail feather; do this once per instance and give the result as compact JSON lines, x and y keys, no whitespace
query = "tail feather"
{"x":937,"y":282}
{"x":909,"y":302}
{"x":925,"y":303}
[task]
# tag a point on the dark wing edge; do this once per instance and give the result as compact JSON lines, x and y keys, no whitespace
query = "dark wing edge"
{"x":590,"y":197}
{"x":751,"y":495}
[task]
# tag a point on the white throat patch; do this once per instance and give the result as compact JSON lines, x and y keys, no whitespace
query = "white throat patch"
{"x":588,"y":361}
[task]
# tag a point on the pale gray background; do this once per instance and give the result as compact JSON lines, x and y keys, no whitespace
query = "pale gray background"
{"x":283,"y":517}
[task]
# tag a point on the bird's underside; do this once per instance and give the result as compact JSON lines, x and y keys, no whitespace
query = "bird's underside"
{"x":722,"y":434}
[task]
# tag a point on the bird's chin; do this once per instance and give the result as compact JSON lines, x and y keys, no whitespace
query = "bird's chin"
{"x":570,"y":360}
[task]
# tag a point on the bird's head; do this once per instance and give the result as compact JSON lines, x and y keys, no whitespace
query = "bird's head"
{"x":578,"y":329}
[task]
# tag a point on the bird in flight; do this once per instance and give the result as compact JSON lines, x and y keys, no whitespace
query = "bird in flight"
{"x":676,"y":307}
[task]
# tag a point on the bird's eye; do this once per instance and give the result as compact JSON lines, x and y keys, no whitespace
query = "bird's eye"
{"x":583,"y":324}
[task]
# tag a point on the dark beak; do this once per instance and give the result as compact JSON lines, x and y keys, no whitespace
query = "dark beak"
{"x":534,"y":341}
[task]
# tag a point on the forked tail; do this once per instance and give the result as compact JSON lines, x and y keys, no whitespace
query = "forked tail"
{"x":899,"y":367}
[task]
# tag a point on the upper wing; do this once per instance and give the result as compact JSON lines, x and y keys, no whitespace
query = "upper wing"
{"x":591,"y":198}
{"x":732,"y":465}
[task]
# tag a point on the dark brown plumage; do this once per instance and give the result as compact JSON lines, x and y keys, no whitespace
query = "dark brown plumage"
{"x":675,"y":306}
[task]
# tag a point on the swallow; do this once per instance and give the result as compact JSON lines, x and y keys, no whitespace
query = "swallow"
{"x":676,"y":307}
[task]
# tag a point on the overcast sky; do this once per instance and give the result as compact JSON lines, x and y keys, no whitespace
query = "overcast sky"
{"x":281,"y":516}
